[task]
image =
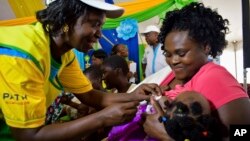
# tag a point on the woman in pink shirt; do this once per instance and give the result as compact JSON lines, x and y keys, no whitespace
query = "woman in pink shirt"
{"x":189,"y":36}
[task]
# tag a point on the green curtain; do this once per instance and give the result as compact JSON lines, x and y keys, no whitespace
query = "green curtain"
{"x":141,"y":53}
{"x":158,"y":10}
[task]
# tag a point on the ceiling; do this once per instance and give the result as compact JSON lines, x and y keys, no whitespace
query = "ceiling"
{"x":229,"y":9}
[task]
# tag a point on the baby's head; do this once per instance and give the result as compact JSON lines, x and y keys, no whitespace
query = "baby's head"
{"x":189,"y":103}
{"x":189,"y":118}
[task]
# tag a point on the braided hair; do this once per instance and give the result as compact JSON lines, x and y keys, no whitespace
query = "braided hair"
{"x":203,"y":24}
{"x":100,"y":53}
{"x":199,"y":127}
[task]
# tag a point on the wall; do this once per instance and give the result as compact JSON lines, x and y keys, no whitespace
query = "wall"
{"x":232,"y":57}
{"x":5,"y":10}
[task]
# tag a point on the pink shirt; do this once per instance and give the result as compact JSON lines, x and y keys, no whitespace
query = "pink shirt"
{"x":214,"y":82}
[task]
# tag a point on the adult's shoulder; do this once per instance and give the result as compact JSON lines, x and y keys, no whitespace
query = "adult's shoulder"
{"x":213,"y":75}
{"x":68,"y":57}
{"x":217,"y":85}
{"x":212,"y":70}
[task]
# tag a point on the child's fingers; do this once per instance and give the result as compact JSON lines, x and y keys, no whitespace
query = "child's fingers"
{"x":156,"y":106}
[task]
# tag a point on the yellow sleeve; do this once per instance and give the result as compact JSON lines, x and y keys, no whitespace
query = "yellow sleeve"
{"x":22,"y":97}
{"x":73,"y":79}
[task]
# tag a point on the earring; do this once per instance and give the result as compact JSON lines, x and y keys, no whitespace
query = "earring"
{"x":65,"y":28}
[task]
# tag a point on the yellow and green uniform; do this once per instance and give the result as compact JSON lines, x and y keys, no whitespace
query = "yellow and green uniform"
{"x":30,"y":79}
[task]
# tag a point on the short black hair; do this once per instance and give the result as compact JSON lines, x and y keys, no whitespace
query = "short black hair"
{"x":116,"y":61}
{"x":100,"y":53}
{"x":114,"y":50}
{"x":94,"y":72}
{"x":204,"y":25}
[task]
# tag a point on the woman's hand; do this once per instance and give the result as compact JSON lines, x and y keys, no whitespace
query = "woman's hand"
{"x":148,"y":89}
{"x":119,"y":113}
{"x":165,"y":88}
{"x":152,"y":125}
{"x":82,"y":110}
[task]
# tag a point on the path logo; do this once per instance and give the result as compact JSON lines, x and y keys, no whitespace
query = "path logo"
{"x":15,"y":99}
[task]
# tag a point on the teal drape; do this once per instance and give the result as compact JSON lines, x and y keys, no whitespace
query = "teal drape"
{"x":149,"y":13}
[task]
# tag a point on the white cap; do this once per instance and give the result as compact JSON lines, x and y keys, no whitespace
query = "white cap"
{"x":112,"y":11}
{"x":151,"y":28}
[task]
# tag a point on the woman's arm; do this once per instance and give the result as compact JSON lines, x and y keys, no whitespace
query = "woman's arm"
{"x":100,"y":99}
{"x":234,"y":112}
{"x":112,"y":115}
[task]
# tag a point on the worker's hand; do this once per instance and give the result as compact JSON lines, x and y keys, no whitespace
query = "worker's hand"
{"x":144,"y":91}
{"x":152,"y":126}
{"x":119,"y":113}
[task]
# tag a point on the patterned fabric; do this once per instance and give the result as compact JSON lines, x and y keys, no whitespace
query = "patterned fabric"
{"x":55,"y":109}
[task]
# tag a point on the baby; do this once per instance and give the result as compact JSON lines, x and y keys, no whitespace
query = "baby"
{"x":187,"y":117}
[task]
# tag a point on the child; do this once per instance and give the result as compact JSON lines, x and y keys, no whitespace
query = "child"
{"x":122,"y":50}
{"x":115,"y":72}
{"x":186,"y":118}
{"x":189,"y":119}
{"x":94,"y":74}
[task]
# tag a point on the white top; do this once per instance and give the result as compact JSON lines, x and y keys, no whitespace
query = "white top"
{"x":154,"y":59}
{"x":132,"y":68}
